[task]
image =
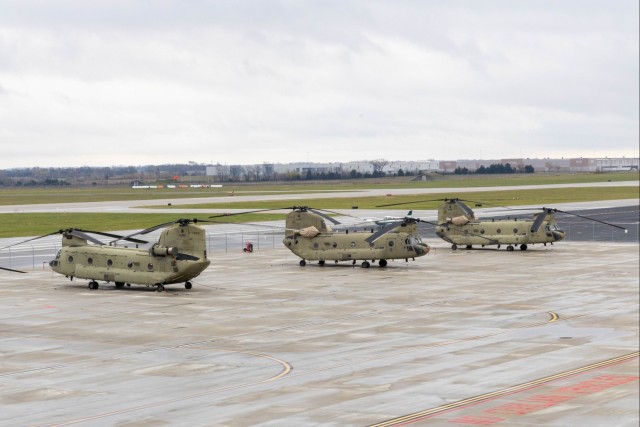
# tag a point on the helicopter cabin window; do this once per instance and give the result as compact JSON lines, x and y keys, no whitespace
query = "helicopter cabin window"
{"x":109,"y":263}
{"x":89,"y":260}
{"x":391,"y":243}
{"x":334,"y":244}
{"x":129,"y":264}
{"x":353,"y":244}
{"x":316,"y":245}
{"x":482,"y":231}
{"x":499,"y":231}
{"x":515,"y":231}
{"x":70,"y":259}
{"x":150,"y":267}
{"x":466,"y":231}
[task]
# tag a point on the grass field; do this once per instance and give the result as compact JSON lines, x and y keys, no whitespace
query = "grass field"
{"x":510,"y":197}
{"x":20,"y":224}
{"x":28,"y":195}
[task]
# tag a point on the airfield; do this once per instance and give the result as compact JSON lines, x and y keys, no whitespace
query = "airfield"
{"x":469,"y":337}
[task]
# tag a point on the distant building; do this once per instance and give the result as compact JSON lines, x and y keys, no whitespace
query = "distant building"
{"x":433,"y":166}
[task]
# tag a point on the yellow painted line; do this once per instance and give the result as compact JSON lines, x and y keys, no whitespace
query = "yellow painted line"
{"x":509,"y":390}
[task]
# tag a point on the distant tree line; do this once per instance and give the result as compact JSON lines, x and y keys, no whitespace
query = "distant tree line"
{"x":496,"y":168}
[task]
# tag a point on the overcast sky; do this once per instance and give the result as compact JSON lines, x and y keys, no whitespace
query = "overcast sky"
{"x":109,"y":82}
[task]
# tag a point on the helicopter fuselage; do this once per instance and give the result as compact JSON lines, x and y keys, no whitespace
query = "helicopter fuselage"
{"x":500,"y":232}
{"x":332,"y":246}
{"x":124,"y":265}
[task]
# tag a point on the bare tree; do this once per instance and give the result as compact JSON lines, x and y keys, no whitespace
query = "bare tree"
{"x":378,"y":165}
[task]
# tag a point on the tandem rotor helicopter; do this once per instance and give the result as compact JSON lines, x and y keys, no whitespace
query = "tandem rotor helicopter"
{"x":179,"y":255}
{"x":458,"y":225}
{"x":308,"y":236}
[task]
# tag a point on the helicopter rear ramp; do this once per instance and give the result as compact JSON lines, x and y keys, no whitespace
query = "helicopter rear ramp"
{"x":481,"y":337}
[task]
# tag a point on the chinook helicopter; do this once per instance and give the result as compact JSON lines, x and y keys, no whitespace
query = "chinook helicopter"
{"x":308,"y":235}
{"x":458,"y":225}
{"x":178,"y":256}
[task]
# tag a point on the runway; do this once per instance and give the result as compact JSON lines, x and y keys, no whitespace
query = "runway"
{"x":544,"y":337}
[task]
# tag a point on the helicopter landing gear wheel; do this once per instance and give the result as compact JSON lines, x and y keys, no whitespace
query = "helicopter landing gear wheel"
{"x":321,"y":262}
{"x":188,"y":285}
{"x":510,"y":248}
{"x":454,"y":247}
{"x":382,"y":263}
{"x":523,"y":247}
{"x":303,"y":263}
{"x":93,"y":285}
{"x":159,"y":287}
{"x":365,"y":264}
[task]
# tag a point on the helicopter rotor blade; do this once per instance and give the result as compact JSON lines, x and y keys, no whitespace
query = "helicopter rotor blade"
{"x":145,"y":231}
{"x":591,"y":219}
{"x":540,"y":217}
{"x":69,"y":231}
{"x":12,"y":270}
{"x":246,"y":212}
{"x":411,"y":202}
{"x":116,"y":236}
{"x":77,"y":233}
{"x":324,"y":215}
{"x":384,"y":230}
{"x":31,"y":239}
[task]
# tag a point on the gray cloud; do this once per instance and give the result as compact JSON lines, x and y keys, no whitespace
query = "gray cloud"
{"x":138,"y":82}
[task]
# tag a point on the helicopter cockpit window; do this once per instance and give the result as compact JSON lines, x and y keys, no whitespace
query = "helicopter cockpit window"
{"x":58,"y":254}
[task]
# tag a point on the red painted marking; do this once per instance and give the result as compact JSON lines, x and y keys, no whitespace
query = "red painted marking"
{"x":541,"y":401}
{"x":477,"y":420}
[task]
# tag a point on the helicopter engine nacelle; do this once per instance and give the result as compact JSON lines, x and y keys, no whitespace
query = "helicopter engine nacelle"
{"x":157,"y":250}
{"x":458,"y":220}
{"x":309,"y":232}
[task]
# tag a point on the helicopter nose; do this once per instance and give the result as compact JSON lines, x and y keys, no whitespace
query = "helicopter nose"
{"x":558,"y":234}
{"x":420,"y":248}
